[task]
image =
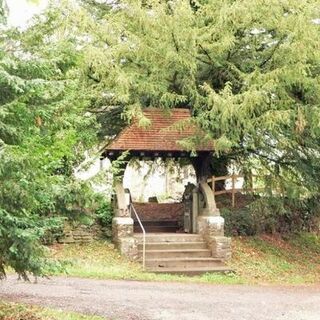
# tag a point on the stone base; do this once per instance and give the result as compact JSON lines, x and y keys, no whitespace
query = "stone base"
{"x":212,"y":230}
{"x":221,"y":248}
{"x":128,"y":247}
{"x":122,"y":227}
{"x":211,"y":225}
{"x":122,"y":236}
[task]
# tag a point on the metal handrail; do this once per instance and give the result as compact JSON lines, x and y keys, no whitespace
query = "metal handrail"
{"x":144,"y":237}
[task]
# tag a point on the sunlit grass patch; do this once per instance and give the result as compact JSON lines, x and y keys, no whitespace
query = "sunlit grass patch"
{"x":275,"y":260}
{"x":14,"y":311}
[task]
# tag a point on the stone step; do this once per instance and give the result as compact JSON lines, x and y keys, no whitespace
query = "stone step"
{"x":182,"y":262}
{"x":161,"y":223}
{"x":157,"y":229}
{"x":169,"y":237}
{"x":191,"y":271}
{"x":173,"y":245}
{"x":176,"y":253}
{"x":163,"y":226}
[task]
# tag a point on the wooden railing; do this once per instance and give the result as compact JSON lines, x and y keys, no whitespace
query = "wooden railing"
{"x":233,"y":189}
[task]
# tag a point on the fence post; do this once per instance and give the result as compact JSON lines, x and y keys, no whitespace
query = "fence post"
{"x":213,"y":182}
{"x":233,"y":190}
{"x":251,"y":182}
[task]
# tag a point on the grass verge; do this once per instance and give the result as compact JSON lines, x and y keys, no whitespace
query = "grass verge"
{"x":274,"y":259}
{"x":256,"y":260}
{"x":14,"y":311}
{"x":99,"y":260}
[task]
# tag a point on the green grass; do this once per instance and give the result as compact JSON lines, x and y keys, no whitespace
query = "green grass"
{"x":14,"y":311}
{"x":265,"y":259}
{"x":99,"y":260}
{"x":293,"y":260}
{"x":62,"y":315}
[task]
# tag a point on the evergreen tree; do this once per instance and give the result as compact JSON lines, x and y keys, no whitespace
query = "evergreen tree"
{"x":248,"y":70}
{"x":44,"y":130}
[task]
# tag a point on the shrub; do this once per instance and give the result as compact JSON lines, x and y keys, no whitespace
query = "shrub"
{"x":273,"y":215}
{"x":238,"y":222}
{"x":104,"y":213}
{"x":266,"y":214}
{"x":52,"y":234}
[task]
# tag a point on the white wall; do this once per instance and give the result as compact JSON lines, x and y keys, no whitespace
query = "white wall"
{"x":145,"y":179}
{"x":156,"y":180}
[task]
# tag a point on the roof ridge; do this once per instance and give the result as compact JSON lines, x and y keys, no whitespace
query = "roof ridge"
{"x":156,"y":137}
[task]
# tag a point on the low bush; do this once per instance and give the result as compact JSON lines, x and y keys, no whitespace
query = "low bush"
{"x":238,"y":222}
{"x":272,"y":215}
{"x":104,"y":214}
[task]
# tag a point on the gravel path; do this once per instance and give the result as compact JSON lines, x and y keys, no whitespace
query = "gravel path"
{"x":173,"y":301}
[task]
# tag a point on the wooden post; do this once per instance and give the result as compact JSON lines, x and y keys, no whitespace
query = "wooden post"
{"x":251,"y":183}
{"x":213,"y":187}
{"x":233,"y":190}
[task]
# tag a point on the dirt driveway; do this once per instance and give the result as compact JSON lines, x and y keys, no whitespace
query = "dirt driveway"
{"x":173,"y":301}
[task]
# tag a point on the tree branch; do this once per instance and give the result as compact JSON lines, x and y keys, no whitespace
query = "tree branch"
{"x":175,"y":41}
{"x":277,"y":161}
{"x":272,"y":53}
{"x":206,"y":53}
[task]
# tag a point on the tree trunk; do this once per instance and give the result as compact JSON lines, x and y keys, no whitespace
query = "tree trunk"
{"x":219,"y":166}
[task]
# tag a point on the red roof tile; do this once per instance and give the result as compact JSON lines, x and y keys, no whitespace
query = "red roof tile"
{"x":159,"y":136}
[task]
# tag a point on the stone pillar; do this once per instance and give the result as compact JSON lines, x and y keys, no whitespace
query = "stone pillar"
{"x":209,"y":207}
{"x":122,"y":235}
{"x":122,"y":201}
{"x":122,"y":224}
{"x":212,"y":230}
{"x":211,"y":224}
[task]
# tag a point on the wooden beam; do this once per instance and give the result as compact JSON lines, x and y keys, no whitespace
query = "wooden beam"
{"x":233,"y":190}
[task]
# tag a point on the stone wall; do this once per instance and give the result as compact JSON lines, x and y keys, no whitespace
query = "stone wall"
{"x":79,"y":233}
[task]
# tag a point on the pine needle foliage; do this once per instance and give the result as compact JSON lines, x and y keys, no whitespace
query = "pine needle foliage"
{"x":44,"y":130}
{"x":248,"y":70}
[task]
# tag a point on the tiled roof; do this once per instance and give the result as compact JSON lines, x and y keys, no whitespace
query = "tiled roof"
{"x":159,"y":136}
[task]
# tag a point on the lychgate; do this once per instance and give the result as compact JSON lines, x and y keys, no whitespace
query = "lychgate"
{"x":181,"y":238}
